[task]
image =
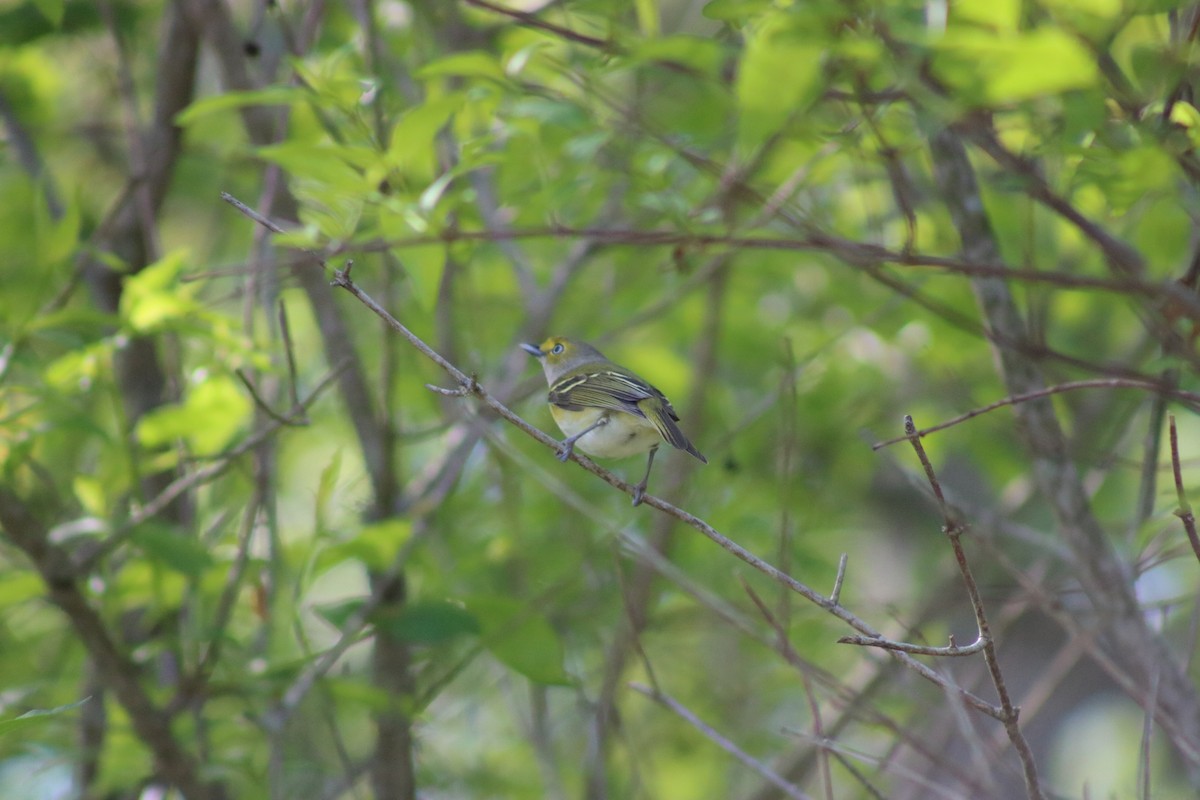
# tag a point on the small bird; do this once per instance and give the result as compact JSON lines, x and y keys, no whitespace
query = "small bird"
{"x":606,"y":409}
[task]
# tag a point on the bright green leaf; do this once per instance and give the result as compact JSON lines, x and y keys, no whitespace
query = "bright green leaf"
{"x":778,"y":78}
{"x":91,"y":494}
{"x":735,"y":12}
{"x":326,"y":165}
{"x":270,"y":96}
{"x":1003,"y":16}
{"x":154,"y":297}
{"x":472,"y":64}
{"x":988,"y":69}
{"x":20,"y":587}
{"x":412,"y":136}
{"x":211,"y":414}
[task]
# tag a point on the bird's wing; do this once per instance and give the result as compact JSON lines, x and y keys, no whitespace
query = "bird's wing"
{"x":602,"y":389}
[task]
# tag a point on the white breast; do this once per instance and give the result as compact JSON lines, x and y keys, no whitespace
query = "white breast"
{"x":620,"y":441}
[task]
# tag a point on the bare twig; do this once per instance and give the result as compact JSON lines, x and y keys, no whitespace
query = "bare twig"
{"x":954,"y":529}
{"x":836,"y":595}
{"x":295,"y":418}
{"x":1191,"y":398}
{"x":788,"y":652}
{"x":950,"y":650}
{"x":720,"y":741}
{"x":854,"y":254}
{"x":289,"y":351}
{"x":1184,"y":510}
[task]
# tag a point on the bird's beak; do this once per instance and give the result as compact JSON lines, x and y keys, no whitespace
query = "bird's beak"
{"x":532,"y":349}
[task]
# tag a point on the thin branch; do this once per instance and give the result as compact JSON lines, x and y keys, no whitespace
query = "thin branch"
{"x":854,"y":254}
{"x":720,"y":741}
{"x":949,"y":651}
{"x":954,"y":529}
{"x":191,"y":686}
{"x":814,"y":708}
{"x":1099,"y":383}
{"x":25,"y":148}
{"x":1184,"y":510}
{"x":289,"y":350}
{"x":262,"y":405}
{"x":836,"y":595}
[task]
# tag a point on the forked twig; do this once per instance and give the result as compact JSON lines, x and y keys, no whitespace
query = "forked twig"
{"x":1184,"y":511}
{"x":954,"y":529}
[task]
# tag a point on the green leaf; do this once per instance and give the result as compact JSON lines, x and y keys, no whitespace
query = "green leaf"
{"x":1093,"y":10}
{"x":81,"y":368}
{"x":36,"y":716}
{"x":327,"y":165}
{"x":998,"y":15}
{"x":778,"y":78}
{"x":411,"y":142}
{"x":985,"y":69}
{"x":703,"y":55}
{"x":19,"y":587}
{"x":423,"y":266}
{"x":270,"y":96}
{"x":339,"y":613}
{"x":521,"y":638}
{"x":428,"y":622}
{"x":325,"y":486}
{"x":735,"y":12}
{"x":375,"y":546}
{"x":472,"y":64}
{"x":208,"y":419}
{"x":422,"y":622}
{"x":52,"y":10}
{"x":649,"y":25}
{"x":154,"y":298}
{"x":173,"y":550}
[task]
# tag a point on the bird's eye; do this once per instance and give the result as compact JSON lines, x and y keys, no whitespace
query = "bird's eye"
{"x":558,"y":348}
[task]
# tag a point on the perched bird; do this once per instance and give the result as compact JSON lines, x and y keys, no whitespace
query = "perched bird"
{"x":606,"y":409}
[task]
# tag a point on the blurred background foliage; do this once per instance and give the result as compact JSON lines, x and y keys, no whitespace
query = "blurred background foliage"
{"x":404,"y":596}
